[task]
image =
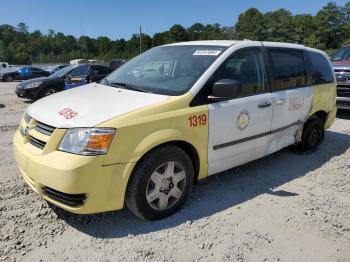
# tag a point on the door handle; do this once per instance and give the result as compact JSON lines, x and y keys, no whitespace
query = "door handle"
{"x":265,"y":104}
{"x":281,"y":101}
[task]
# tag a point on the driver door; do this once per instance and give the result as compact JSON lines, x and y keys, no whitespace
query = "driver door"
{"x":239,"y":128}
{"x":80,"y":74}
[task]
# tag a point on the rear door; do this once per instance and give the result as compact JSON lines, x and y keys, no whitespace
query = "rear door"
{"x":239,"y":128}
{"x":80,"y":74}
{"x":291,"y":94}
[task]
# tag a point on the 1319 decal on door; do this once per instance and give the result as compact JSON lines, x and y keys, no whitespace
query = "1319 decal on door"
{"x":198,"y":120}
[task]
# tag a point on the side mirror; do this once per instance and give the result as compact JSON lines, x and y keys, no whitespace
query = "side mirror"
{"x":226,"y":88}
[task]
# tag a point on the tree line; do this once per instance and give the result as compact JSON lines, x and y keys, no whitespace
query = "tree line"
{"x":327,"y":30}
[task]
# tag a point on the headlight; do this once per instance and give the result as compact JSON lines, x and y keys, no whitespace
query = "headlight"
{"x":27,"y":118}
{"x":33,"y":85}
{"x":87,"y":141}
{"x":24,"y":129}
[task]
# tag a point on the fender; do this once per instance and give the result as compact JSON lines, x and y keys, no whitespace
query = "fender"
{"x":155,"y":139}
{"x":137,"y":149}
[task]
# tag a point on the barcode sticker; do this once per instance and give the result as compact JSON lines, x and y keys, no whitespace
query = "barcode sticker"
{"x":207,"y":52}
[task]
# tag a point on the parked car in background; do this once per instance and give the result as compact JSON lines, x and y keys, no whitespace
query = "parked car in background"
{"x":85,"y":74}
{"x":24,"y":73}
{"x":5,"y":68}
{"x":68,"y":77}
{"x":114,"y":64}
{"x":78,"y":61}
{"x":54,"y":68}
{"x":341,"y":65}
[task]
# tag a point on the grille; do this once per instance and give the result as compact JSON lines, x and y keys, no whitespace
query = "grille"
{"x":343,"y":103}
{"x":36,"y":142}
{"x":73,"y":200}
{"x":343,"y":91}
{"x":44,"y":129}
{"x":341,"y":70}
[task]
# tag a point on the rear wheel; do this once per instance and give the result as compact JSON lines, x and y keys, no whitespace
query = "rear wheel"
{"x":160,"y":183}
{"x":312,"y":136}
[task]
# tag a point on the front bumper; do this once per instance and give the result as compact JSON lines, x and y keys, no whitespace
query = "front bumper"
{"x":26,"y":93}
{"x":72,"y":175}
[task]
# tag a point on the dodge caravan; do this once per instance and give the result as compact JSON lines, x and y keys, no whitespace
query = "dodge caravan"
{"x":169,"y":117}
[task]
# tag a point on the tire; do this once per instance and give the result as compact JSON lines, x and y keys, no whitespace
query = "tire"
{"x":48,"y":91}
{"x":8,"y":79}
{"x":160,"y":183}
{"x":312,"y":136}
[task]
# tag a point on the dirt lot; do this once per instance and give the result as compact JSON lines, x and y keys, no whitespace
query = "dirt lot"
{"x":285,"y":207}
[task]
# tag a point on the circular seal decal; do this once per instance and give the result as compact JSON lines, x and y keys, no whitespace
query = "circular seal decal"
{"x":243,"y":120}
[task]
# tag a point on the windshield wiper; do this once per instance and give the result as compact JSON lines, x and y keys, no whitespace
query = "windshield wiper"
{"x":127,"y":86}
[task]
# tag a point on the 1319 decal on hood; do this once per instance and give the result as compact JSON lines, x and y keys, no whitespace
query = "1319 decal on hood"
{"x":68,"y":113}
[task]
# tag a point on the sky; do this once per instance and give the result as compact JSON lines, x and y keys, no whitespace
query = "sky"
{"x":120,"y":19}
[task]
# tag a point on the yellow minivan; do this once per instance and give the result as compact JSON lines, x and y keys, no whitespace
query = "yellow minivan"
{"x":169,"y":117}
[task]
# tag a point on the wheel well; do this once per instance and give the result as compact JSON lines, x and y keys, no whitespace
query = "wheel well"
{"x":44,"y":88}
{"x":321,"y":115}
{"x":188,"y":148}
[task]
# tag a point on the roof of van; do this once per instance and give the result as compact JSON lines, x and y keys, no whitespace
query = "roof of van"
{"x":234,"y":42}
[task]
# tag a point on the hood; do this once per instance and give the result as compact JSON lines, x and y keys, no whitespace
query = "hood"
{"x":343,"y":63}
{"x":89,"y":105}
{"x":34,"y":80}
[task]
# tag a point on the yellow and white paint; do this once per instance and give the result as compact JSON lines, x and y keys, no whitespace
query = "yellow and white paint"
{"x":144,"y":121}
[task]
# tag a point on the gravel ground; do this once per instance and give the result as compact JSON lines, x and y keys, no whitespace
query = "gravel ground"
{"x":284,"y":207}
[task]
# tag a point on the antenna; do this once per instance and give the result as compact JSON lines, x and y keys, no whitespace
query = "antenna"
{"x":140,"y":40}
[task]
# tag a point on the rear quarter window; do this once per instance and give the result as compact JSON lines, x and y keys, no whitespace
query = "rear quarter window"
{"x":287,"y":68}
{"x":321,"y":70}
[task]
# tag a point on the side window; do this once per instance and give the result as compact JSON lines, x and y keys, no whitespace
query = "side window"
{"x":80,"y":71}
{"x":321,"y":70}
{"x":3,"y":65}
{"x":99,"y":70}
{"x":35,"y":69}
{"x":287,"y":68}
{"x":246,"y":67}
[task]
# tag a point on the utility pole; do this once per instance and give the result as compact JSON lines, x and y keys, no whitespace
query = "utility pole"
{"x":140,"y":40}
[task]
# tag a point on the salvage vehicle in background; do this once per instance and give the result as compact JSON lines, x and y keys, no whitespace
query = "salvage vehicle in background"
{"x":58,"y":81}
{"x":24,"y":73}
{"x":341,"y":66}
{"x":4,"y":67}
{"x":54,"y":68}
{"x":169,"y":117}
{"x":86,"y":73}
{"x":114,"y":64}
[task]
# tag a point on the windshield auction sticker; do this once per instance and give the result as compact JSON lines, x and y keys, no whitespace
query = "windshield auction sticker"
{"x":207,"y":52}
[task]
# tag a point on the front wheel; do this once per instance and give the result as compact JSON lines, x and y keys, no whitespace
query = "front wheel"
{"x":312,"y":136}
{"x":160,"y":183}
{"x":48,"y":91}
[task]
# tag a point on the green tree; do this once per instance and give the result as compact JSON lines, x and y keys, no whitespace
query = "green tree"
{"x":251,"y":25}
{"x":329,"y":26}
{"x":279,"y":26}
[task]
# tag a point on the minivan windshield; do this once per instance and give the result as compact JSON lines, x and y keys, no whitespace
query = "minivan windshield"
{"x":168,"y":70}
{"x":341,"y":54}
{"x":62,"y":72}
